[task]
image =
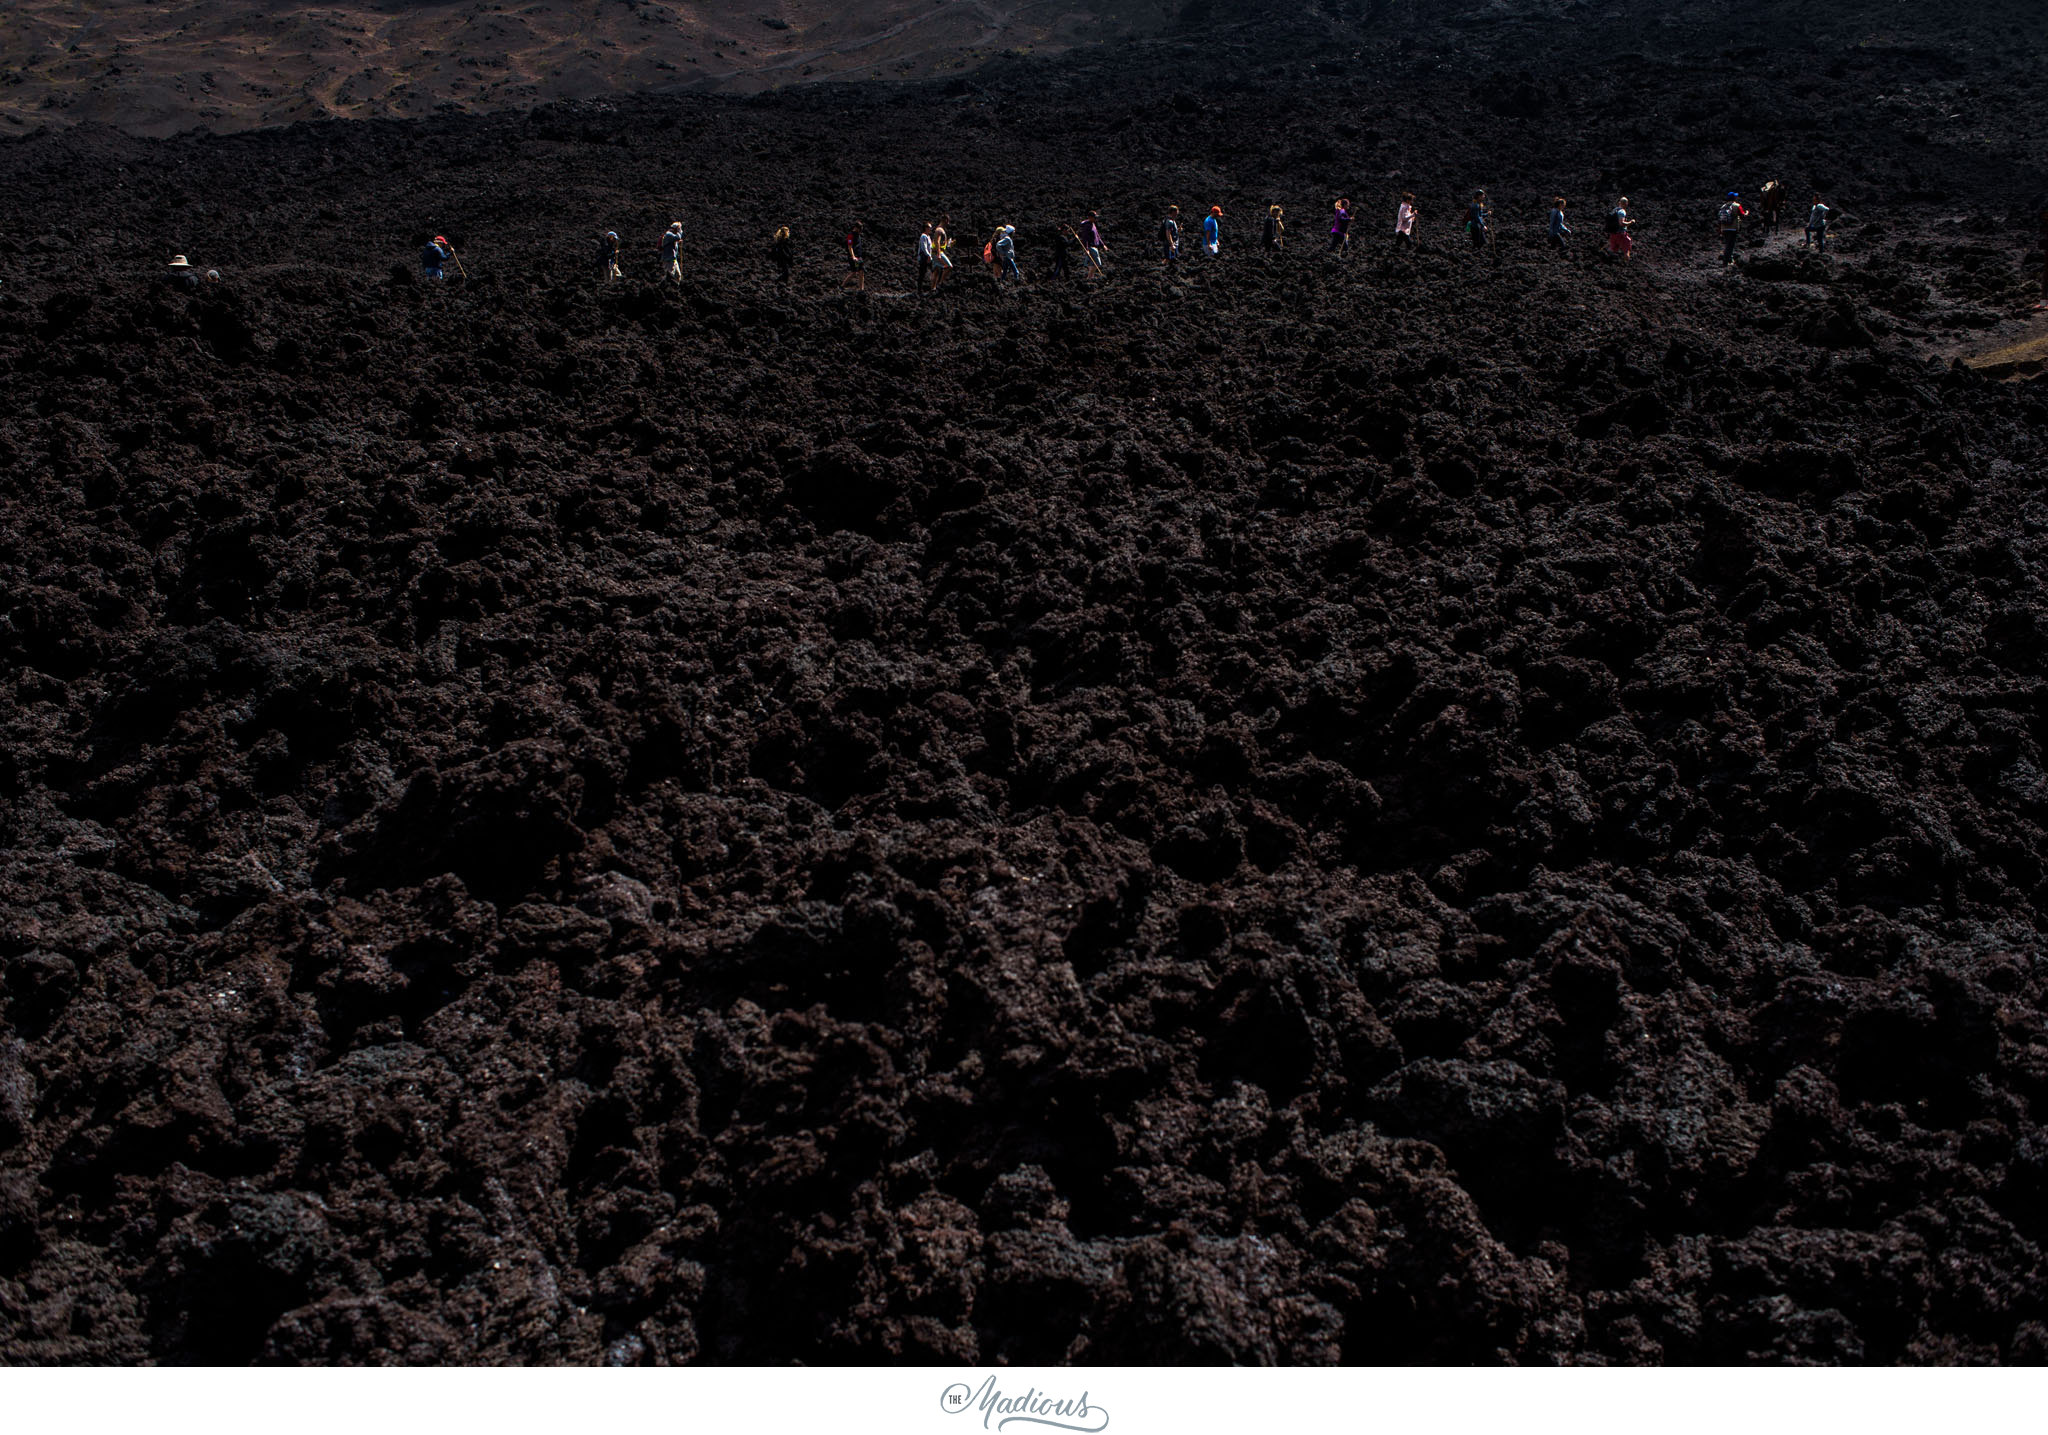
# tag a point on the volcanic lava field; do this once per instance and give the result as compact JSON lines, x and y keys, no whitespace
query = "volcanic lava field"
{"x":1435,"y":807}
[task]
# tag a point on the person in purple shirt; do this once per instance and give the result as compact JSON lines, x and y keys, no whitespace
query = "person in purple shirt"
{"x":1091,"y":240}
{"x":1340,"y":229}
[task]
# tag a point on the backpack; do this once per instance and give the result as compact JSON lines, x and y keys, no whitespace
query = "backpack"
{"x":988,"y":252}
{"x":1727,"y":215}
{"x":1614,"y":221}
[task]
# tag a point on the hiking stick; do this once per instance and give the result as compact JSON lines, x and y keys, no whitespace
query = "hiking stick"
{"x":458,"y":262}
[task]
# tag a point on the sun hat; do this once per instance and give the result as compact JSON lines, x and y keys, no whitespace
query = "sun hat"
{"x":178,"y":261}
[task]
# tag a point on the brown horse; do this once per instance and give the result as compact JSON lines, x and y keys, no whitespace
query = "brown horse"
{"x":1770,"y":204}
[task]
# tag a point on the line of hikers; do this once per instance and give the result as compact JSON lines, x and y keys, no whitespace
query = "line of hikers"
{"x":1081,"y":248}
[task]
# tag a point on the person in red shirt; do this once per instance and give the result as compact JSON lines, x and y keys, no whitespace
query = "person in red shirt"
{"x":856,"y":268}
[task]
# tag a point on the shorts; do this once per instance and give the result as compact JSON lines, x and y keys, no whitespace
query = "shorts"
{"x":1621,"y":243}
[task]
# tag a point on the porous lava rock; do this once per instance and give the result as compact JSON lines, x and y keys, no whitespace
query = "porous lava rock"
{"x":1439,"y":806}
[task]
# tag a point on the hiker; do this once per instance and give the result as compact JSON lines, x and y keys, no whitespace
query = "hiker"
{"x":1276,"y":229}
{"x":1619,"y":240}
{"x":1770,"y":204}
{"x":181,"y":274}
{"x":1212,"y":232}
{"x":1005,"y":246}
{"x":608,"y":256}
{"x":1404,"y":221}
{"x":856,"y":267}
{"x":1169,"y":235}
{"x":1340,"y":229}
{"x":942,"y":249}
{"x":782,"y":251}
{"x":1731,"y":216}
{"x":1064,"y":242}
{"x":1558,"y":228}
{"x":924,"y":259}
{"x":1476,"y":215}
{"x":1091,"y":240}
{"x":437,"y":253}
{"x":1817,"y":226}
{"x":672,"y":252}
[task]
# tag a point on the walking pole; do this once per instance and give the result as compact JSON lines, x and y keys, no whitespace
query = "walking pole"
{"x":458,"y":262}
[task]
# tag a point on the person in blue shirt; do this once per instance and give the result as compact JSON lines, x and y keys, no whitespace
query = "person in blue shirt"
{"x":1212,"y":231}
{"x":1169,"y":235}
{"x":1006,"y":253}
{"x":437,"y":253}
{"x":672,"y":252}
{"x":1476,"y":215}
{"x":1558,"y":228}
{"x":1817,"y":226}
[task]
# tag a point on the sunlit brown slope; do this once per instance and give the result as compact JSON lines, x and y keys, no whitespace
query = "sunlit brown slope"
{"x":234,"y":64}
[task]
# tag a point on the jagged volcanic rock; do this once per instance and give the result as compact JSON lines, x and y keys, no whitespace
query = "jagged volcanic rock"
{"x":1428,"y":808}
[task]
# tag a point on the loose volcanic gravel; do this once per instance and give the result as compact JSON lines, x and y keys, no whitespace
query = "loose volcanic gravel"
{"x":1434,"y":807}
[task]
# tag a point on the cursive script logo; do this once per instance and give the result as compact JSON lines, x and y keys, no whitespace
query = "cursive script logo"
{"x":1034,"y":1407}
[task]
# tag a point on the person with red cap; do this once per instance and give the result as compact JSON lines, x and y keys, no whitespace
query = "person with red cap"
{"x":1212,"y":231}
{"x":437,"y":253}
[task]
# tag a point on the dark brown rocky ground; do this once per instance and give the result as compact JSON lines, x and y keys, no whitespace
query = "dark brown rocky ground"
{"x":1419,"y":809}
